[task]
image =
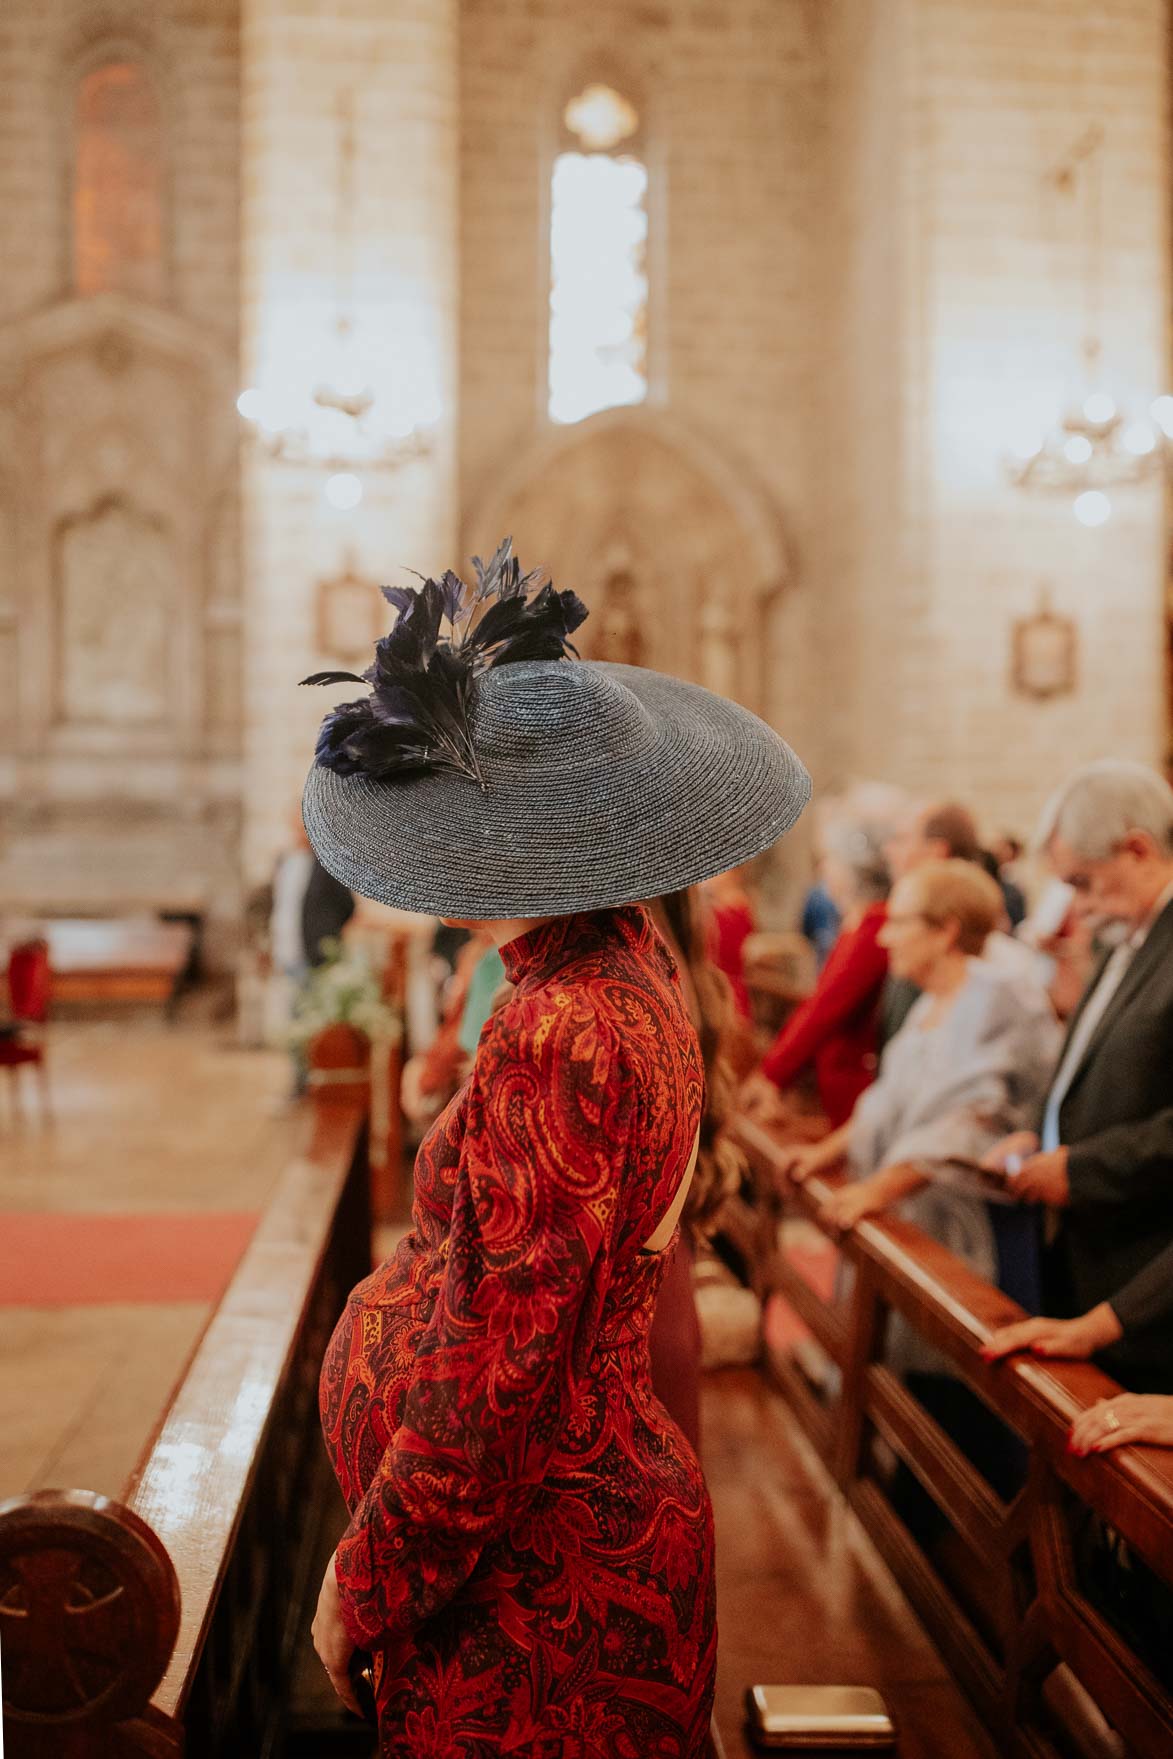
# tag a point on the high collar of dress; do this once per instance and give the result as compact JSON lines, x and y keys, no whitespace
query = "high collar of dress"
{"x":546,"y":948}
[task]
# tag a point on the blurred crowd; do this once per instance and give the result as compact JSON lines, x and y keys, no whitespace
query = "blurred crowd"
{"x":990,"y":1042}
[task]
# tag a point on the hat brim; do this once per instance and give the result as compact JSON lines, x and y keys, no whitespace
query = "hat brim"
{"x":714,"y":787}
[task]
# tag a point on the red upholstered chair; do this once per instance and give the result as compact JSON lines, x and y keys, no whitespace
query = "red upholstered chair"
{"x":29,"y":982}
{"x":29,"y":992}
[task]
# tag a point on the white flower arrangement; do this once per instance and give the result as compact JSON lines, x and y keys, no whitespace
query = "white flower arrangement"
{"x":343,"y":990}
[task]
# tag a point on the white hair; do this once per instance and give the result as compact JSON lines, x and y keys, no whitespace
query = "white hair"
{"x":862,"y":853}
{"x":1101,"y":804}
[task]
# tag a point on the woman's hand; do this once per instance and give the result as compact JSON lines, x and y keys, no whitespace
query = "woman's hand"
{"x":1073,"y":1338}
{"x":333,"y":1645}
{"x":851,"y":1203}
{"x":759,"y":1099}
{"x":799,"y":1161}
{"x":1130,"y":1417}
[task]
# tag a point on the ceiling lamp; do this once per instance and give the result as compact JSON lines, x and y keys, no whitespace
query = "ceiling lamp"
{"x":1096,"y":445}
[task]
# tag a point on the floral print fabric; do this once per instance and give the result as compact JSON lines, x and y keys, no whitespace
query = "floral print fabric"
{"x":529,"y":1556}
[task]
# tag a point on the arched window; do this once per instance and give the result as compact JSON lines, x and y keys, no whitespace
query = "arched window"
{"x":598,"y":258}
{"x":118,"y":184}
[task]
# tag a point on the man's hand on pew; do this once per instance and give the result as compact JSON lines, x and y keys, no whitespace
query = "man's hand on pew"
{"x":333,"y":1645}
{"x":1073,"y":1338}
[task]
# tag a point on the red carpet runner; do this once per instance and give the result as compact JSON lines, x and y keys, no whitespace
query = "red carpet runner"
{"x":65,"y":1260}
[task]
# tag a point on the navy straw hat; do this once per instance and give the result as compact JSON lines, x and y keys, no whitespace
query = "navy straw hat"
{"x":496,"y":780}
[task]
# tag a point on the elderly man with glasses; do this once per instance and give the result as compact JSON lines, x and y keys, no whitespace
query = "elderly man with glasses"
{"x":1103,"y":1157}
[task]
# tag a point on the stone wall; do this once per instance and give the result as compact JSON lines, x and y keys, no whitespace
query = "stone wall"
{"x":120,"y":582}
{"x":958,"y":308}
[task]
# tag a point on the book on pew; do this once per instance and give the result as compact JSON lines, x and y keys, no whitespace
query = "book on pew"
{"x":972,"y":1178}
{"x":841,"y":1718}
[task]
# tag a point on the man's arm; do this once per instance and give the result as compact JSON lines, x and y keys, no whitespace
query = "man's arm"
{"x":1147,"y":1298}
{"x":1122,"y":1163}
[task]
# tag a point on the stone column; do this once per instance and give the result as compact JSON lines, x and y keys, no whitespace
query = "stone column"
{"x":382,"y":244}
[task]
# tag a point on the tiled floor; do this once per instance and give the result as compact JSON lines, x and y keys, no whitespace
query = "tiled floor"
{"x":145,"y":1116}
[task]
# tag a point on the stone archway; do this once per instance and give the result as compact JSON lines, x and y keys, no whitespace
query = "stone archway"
{"x":676,"y":553}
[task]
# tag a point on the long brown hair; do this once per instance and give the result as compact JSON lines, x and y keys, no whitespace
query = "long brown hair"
{"x":720,"y":1165}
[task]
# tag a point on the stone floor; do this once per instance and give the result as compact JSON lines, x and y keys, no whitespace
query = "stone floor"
{"x":803,"y":1598}
{"x":144,"y":1117}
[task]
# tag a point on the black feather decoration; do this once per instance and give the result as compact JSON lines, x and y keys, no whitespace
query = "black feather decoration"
{"x":418,"y":716}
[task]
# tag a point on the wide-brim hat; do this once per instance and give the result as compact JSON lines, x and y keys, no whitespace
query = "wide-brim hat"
{"x":601,"y":785}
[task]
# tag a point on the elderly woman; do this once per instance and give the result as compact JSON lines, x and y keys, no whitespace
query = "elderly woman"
{"x":833,"y":1032}
{"x":970,"y":1063}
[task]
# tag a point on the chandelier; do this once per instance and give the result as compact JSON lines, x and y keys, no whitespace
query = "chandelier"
{"x":1095,"y":446}
{"x":339,"y":407}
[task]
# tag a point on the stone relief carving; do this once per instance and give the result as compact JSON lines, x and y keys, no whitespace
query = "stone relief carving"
{"x":690,"y":593}
{"x":718,"y":644}
{"x":618,"y":613}
{"x":115,"y":570}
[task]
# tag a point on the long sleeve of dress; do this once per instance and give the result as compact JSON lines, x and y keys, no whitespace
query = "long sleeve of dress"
{"x":854,"y":971}
{"x":518,"y":1305}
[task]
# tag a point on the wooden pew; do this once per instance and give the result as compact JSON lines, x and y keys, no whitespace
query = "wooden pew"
{"x":1007,"y":1605}
{"x":166,"y":1624}
{"x":138,"y":960}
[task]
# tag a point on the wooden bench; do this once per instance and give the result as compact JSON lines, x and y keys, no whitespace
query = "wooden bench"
{"x":167,"y":1623}
{"x":1005,"y":1597}
{"x":94,"y":960}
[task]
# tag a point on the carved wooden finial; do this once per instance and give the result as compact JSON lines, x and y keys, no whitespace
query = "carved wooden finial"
{"x":89,"y":1615}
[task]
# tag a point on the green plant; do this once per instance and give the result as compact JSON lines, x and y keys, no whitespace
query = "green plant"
{"x":343,"y":990}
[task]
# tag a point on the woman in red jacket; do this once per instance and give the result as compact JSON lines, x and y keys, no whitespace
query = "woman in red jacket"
{"x":527,"y":1568}
{"x":833,"y":1032}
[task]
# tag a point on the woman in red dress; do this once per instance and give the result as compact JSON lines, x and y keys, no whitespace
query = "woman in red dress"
{"x":529,"y":1557}
{"x":834,"y":1031}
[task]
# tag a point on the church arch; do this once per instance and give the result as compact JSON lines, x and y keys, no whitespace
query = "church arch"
{"x":679,"y":553}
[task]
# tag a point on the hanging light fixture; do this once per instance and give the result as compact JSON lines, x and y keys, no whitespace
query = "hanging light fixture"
{"x":1095,"y":446}
{"x":350,"y":413}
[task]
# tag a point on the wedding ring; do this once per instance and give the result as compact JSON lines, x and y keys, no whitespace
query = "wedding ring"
{"x":1111,"y":1419}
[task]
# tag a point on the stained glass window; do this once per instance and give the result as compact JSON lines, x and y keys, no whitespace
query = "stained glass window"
{"x":118,"y":184}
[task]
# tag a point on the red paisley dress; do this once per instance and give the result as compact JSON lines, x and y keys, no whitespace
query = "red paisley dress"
{"x":530,"y":1552}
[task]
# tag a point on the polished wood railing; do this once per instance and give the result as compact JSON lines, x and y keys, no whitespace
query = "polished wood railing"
{"x":166,"y":1623}
{"x":1006,"y":1589}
